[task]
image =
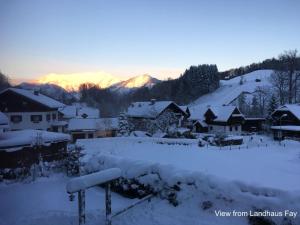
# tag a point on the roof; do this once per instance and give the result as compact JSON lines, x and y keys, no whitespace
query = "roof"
{"x":293,"y":108}
{"x":202,"y":123}
{"x":16,"y":140}
{"x":184,"y":107}
{"x":289,"y":128}
{"x":197,"y":112}
{"x":40,"y":98}
{"x":148,"y":109}
{"x":92,"y":124}
{"x":3,"y":120}
{"x":74,"y":111}
{"x":223,"y":113}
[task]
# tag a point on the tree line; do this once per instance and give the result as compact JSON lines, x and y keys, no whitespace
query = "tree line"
{"x":194,"y":82}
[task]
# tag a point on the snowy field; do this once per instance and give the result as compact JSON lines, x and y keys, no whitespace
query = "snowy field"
{"x":263,"y":164}
{"x":260,"y":174}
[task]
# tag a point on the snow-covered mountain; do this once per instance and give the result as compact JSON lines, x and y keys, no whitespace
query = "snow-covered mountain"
{"x":229,"y":90}
{"x":51,"y":90}
{"x":71,"y":82}
{"x":134,"y":83}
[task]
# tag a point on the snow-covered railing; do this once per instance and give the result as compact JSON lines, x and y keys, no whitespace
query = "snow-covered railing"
{"x":80,"y":184}
{"x":90,"y":180}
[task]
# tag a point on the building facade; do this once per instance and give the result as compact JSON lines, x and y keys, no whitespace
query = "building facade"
{"x":26,"y":109}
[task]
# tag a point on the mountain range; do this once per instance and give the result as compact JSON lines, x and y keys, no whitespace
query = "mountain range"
{"x":66,"y":87}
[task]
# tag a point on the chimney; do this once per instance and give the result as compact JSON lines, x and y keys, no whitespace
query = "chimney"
{"x":152,"y":101}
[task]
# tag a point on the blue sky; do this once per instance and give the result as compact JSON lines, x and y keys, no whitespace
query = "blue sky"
{"x":127,"y":38}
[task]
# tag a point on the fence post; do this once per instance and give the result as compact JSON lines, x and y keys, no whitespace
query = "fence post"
{"x":107,"y":204}
{"x":81,"y":206}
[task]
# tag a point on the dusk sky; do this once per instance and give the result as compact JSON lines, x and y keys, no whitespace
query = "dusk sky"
{"x":127,"y":38}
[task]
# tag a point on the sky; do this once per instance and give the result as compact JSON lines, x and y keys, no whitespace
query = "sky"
{"x":127,"y":38}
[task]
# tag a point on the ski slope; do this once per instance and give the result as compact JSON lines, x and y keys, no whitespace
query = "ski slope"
{"x":231,"y":89}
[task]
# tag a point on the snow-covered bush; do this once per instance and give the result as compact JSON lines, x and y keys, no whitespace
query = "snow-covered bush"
{"x":72,"y":162}
{"x":141,"y":178}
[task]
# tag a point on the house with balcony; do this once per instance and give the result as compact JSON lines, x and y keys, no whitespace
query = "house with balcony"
{"x":286,"y":122}
{"x":224,"y":119}
{"x":29,"y":109}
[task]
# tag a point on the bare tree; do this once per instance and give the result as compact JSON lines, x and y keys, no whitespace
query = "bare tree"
{"x":289,"y":62}
{"x":262,"y":94}
{"x":280,"y":84}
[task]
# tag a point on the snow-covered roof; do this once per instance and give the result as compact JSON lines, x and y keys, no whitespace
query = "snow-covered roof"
{"x":201,"y":122}
{"x":289,"y":128}
{"x":3,"y":120}
{"x":16,"y":140}
{"x":223,"y":113}
{"x":40,"y":98}
{"x":92,"y":124}
{"x":184,"y":107}
{"x":293,"y":108}
{"x":74,"y":111}
{"x":197,"y":112}
{"x":148,"y":109}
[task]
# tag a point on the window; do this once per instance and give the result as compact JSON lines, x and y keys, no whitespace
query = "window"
{"x":16,"y":118}
{"x":211,"y":128}
{"x":90,"y":135}
{"x":230,"y":128}
{"x":48,"y":117}
{"x":236,"y":128}
{"x":36,"y":118}
{"x":54,"y":116}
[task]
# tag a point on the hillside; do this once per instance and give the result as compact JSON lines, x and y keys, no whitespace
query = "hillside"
{"x":231,"y":89}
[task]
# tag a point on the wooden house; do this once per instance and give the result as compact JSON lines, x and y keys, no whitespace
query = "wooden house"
{"x":28,"y":109}
{"x":286,"y":122}
{"x":224,"y":119}
{"x":140,"y":114}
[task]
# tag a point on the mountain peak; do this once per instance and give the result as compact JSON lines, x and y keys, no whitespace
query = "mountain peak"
{"x":144,"y":80}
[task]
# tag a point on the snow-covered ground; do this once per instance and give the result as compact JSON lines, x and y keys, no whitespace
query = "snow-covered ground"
{"x":260,"y":174}
{"x":231,"y":89}
{"x":46,"y":202}
{"x":264,"y":163}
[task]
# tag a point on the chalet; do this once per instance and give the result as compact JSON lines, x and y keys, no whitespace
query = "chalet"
{"x":286,"y":121}
{"x":140,"y":114}
{"x":84,"y":128}
{"x":224,"y":119}
{"x":22,"y":148}
{"x":28,"y":109}
{"x":4,"y":124}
